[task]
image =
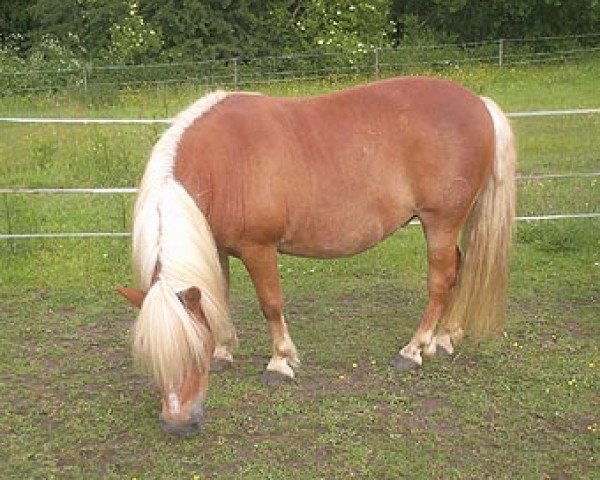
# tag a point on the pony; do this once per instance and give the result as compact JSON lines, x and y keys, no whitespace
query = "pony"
{"x":251,"y":176}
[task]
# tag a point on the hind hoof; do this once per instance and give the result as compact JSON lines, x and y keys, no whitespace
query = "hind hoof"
{"x":404,"y":364}
{"x":441,"y":352}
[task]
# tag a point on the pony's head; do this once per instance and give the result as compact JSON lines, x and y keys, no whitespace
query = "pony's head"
{"x":177,"y":353}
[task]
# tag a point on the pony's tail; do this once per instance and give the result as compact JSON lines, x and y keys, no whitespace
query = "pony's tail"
{"x":173,"y":250}
{"x":478,"y":302}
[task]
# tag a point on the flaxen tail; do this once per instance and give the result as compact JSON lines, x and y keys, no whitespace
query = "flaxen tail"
{"x":478,"y":303}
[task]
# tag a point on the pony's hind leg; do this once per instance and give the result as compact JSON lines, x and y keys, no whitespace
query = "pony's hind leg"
{"x":445,"y":340}
{"x":261,"y":263}
{"x":442,"y":262}
{"x":448,"y":335}
{"x":222,"y":357}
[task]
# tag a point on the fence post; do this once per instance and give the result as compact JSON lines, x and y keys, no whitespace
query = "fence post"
{"x":235,"y":71}
{"x":9,"y":223}
{"x":500,"y":52}
{"x":124,"y":213}
{"x":85,"y":77}
{"x":377,"y":63}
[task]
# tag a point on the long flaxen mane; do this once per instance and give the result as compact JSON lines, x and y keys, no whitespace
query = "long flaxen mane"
{"x":173,"y":250}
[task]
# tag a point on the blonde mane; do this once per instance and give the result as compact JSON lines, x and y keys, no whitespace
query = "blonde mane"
{"x":173,"y":250}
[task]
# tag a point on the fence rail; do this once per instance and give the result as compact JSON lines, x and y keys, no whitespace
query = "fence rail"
{"x":75,"y":235}
{"x":142,"y":121}
{"x":115,"y":190}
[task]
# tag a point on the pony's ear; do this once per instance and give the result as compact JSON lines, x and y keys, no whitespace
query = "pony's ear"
{"x":134,"y":296}
{"x":192,"y":299}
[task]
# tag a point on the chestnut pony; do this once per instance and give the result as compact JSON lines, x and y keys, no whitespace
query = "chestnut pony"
{"x":248,"y":176}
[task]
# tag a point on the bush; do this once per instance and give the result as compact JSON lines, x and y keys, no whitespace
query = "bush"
{"x":47,"y":65}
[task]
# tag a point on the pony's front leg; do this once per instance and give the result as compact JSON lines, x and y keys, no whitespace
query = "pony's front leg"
{"x":222,"y":356}
{"x":261,"y":263}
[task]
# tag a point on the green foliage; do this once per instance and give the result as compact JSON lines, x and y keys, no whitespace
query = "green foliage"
{"x":473,"y":20}
{"x":83,"y":26}
{"x":223,"y":29}
{"x":51,"y":54}
{"x":145,"y":31}
{"x":48,"y":64}
{"x":353,"y":26}
{"x":10,"y":49}
{"x":132,"y":40}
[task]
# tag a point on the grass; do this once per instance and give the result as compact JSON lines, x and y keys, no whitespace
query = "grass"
{"x":521,"y":406}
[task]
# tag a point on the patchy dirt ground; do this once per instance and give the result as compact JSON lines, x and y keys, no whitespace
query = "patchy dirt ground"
{"x":76,"y":405}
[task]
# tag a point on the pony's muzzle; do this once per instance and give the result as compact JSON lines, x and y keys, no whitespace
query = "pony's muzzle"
{"x":186,"y":428}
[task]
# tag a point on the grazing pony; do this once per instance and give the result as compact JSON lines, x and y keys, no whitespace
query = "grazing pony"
{"x":249,"y":175}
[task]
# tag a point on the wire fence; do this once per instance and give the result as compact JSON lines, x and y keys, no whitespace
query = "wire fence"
{"x":239,"y":72}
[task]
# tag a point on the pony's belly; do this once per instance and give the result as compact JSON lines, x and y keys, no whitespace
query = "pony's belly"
{"x":324,"y":250}
{"x":333,"y":239}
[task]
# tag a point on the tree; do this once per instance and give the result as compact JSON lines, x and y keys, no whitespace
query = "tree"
{"x":132,"y":39}
{"x":135,"y":31}
{"x":476,"y":20}
{"x":194,"y":30}
{"x":15,"y":21}
{"x":82,"y":26}
{"x":347,"y":24}
{"x":224,"y":28}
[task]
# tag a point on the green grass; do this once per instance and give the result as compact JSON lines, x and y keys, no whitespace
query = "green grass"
{"x":524,"y":405}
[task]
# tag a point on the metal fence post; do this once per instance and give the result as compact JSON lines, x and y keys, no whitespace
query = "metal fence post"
{"x":500,"y":52}
{"x":85,"y":77}
{"x":377,"y":63}
{"x":9,"y":223}
{"x":124,"y":213}
{"x":235,"y":71}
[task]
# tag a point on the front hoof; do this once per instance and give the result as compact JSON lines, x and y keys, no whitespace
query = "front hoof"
{"x":184,"y":431}
{"x":442,"y":352}
{"x":218,"y":365}
{"x":404,"y":364}
{"x":272,"y":378}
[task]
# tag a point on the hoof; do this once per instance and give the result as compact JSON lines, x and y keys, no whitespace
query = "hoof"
{"x":441,"y":352}
{"x":273,"y":378}
{"x":184,"y":431}
{"x":404,"y":364}
{"x":218,"y":365}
